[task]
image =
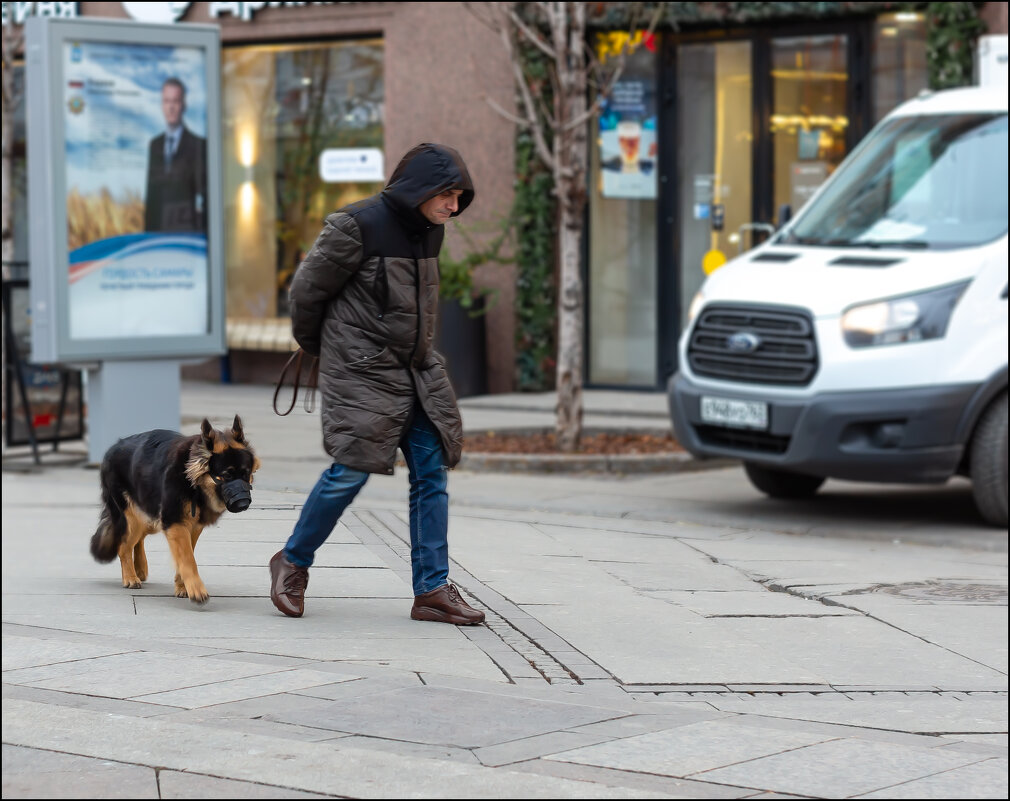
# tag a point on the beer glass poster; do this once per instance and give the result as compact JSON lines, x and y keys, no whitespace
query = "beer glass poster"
{"x":136,"y":177}
{"x":627,"y":141}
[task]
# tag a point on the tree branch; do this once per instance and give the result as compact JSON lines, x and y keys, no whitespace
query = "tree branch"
{"x":525,"y":123}
{"x":489,"y":24}
{"x":534,"y":37}
{"x":524,"y":90}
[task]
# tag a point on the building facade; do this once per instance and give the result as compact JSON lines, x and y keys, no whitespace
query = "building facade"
{"x":301,"y":78}
{"x":732,"y":125}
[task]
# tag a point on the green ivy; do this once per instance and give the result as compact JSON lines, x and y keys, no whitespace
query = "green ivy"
{"x":536,"y":313}
{"x":951,"y":32}
{"x":534,"y":214}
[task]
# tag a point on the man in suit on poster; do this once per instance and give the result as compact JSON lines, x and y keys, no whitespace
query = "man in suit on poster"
{"x":176,"y":194}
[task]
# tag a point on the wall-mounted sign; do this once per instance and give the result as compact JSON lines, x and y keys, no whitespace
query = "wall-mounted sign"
{"x":806,"y":178}
{"x":128,"y":129}
{"x":245,"y":11}
{"x":17,"y":13}
{"x":339,"y":165}
{"x":160,"y":13}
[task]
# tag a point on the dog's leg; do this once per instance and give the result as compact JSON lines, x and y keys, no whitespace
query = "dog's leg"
{"x":187,"y":580}
{"x":180,"y":587}
{"x":135,"y":530}
{"x":140,"y":559}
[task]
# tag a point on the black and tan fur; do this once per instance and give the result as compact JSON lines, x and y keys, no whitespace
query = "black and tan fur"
{"x":161,"y":480}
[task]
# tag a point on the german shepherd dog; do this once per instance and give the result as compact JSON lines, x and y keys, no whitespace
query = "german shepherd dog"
{"x":163,"y":481}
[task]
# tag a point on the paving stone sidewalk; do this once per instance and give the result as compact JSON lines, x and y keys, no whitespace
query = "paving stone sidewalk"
{"x":622,"y":657}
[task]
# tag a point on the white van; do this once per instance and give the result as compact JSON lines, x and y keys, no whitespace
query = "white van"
{"x":867,"y":339}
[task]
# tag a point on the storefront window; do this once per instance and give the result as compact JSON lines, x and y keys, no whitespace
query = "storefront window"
{"x":283,"y":106}
{"x":809,"y":120}
{"x":622,"y":207}
{"x":899,"y":60}
{"x":714,"y":156}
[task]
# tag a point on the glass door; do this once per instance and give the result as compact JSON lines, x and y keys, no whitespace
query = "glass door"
{"x":714,"y":158}
{"x":622,"y":275}
{"x":809,"y":119}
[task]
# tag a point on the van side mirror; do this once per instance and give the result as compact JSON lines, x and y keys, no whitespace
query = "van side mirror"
{"x":785,"y":214}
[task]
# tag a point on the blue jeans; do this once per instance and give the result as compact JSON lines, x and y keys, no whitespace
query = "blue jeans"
{"x":429,"y":507}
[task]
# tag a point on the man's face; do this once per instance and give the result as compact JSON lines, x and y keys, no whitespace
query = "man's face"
{"x":440,"y":208}
{"x":173,"y":103}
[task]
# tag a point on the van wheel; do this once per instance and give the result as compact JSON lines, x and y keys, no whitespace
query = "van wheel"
{"x":782,"y":483}
{"x":988,"y":463}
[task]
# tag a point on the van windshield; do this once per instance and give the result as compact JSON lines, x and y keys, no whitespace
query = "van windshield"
{"x":935,"y":181}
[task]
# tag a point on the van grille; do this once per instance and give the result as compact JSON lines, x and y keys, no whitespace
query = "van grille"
{"x":741,"y":439}
{"x":786,"y":353}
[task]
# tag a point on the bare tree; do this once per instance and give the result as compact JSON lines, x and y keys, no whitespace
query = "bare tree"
{"x":13,"y":39}
{"x":580,"y":81}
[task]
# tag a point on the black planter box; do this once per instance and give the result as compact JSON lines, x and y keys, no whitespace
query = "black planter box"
{"x":462,"y":340}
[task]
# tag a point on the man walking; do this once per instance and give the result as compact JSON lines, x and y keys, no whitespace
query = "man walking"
{"x":365,"y":300}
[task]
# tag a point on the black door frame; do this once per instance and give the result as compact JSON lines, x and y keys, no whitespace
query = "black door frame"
{"x":859,"y":32}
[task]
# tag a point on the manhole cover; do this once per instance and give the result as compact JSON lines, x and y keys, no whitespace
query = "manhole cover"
{"x":943,"y":591}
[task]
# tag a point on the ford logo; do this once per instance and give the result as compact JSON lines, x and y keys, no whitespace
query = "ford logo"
{"x":743,"y":342}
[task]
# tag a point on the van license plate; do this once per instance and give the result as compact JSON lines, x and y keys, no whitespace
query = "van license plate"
{"x":734,"y":413}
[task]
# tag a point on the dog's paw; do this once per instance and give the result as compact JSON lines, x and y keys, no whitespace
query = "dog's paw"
{"x":141,"y":574}
{"x":132,"y":584}
{"x":197,"y":593}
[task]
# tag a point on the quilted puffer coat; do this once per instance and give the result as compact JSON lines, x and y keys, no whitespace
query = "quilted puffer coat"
{"x":365,"y":300}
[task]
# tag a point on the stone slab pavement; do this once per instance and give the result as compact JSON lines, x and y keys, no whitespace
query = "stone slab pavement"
{"x":667,"y":637}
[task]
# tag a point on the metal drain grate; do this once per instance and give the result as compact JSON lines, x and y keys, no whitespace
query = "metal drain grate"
{"x":949,"y":591}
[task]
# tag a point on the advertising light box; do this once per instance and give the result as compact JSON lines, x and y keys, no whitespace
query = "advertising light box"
{"x":124,"y":190}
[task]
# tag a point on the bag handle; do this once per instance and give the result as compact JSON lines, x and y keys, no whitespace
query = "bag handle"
{"x":296,"y":360}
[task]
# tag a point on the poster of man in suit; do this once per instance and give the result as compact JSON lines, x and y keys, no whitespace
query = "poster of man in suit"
{"x":136,"y":167}
{"x":176,"y":185}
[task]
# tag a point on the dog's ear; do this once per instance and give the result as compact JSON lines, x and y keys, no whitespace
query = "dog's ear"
{"x":208,"y":433}
{"x":236,"y":429}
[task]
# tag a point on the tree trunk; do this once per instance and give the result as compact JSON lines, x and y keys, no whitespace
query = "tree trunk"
{"x":569,"y":373}
{"x":559,"y":32}
{"x":570,"y":156}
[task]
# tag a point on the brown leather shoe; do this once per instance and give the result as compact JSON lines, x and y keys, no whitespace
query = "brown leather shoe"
{"x":287,"y":585}
{"x":445,"y":605}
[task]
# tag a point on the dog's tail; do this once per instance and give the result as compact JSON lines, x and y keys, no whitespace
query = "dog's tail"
{"x":112,"y":523}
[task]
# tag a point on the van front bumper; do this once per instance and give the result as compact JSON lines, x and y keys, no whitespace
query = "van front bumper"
{"x":904,"y":436}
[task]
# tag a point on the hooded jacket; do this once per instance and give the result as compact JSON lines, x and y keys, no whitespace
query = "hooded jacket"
{"x":365,"y":300}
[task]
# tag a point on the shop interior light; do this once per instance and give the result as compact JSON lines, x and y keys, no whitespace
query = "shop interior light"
{"x":808,"y":121}
{"x":801,"y":74}
{"x":247,"y":199}
{"x":247,"y":147}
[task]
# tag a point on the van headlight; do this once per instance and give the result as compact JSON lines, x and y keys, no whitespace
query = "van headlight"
{"x":910,"y":318}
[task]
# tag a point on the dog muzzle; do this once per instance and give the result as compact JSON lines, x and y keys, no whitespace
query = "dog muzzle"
{"x":237,"y":495}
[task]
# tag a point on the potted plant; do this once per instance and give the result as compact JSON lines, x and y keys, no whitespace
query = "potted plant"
{"x":461,"y":336}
